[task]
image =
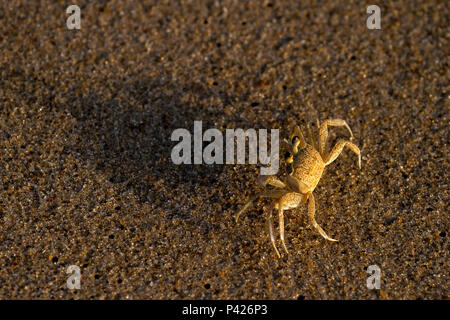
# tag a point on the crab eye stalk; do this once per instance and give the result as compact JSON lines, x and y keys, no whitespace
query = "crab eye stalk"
{"x":289,"y":157}
{"x":296,"y":143}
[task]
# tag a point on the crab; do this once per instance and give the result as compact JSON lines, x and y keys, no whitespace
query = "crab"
{"x":306,"y":161}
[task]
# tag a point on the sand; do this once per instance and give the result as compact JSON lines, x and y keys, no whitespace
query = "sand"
{"x":86,"y":176}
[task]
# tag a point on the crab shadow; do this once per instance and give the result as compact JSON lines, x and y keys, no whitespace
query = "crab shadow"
{"x":127,"y":137}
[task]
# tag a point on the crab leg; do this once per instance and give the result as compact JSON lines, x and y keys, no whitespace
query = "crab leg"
{"x":272,"y":238}
{"x":288,"y":201}
{"x":311,"y":213}
{"x":265,"y":194}
{"x":337,"y":149}
{"x":323,"y":133}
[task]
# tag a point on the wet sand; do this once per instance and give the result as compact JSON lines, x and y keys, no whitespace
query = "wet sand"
{"x":86,"y":176}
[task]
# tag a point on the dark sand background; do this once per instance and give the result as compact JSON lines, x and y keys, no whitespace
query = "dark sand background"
{"x":85,"y":171}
